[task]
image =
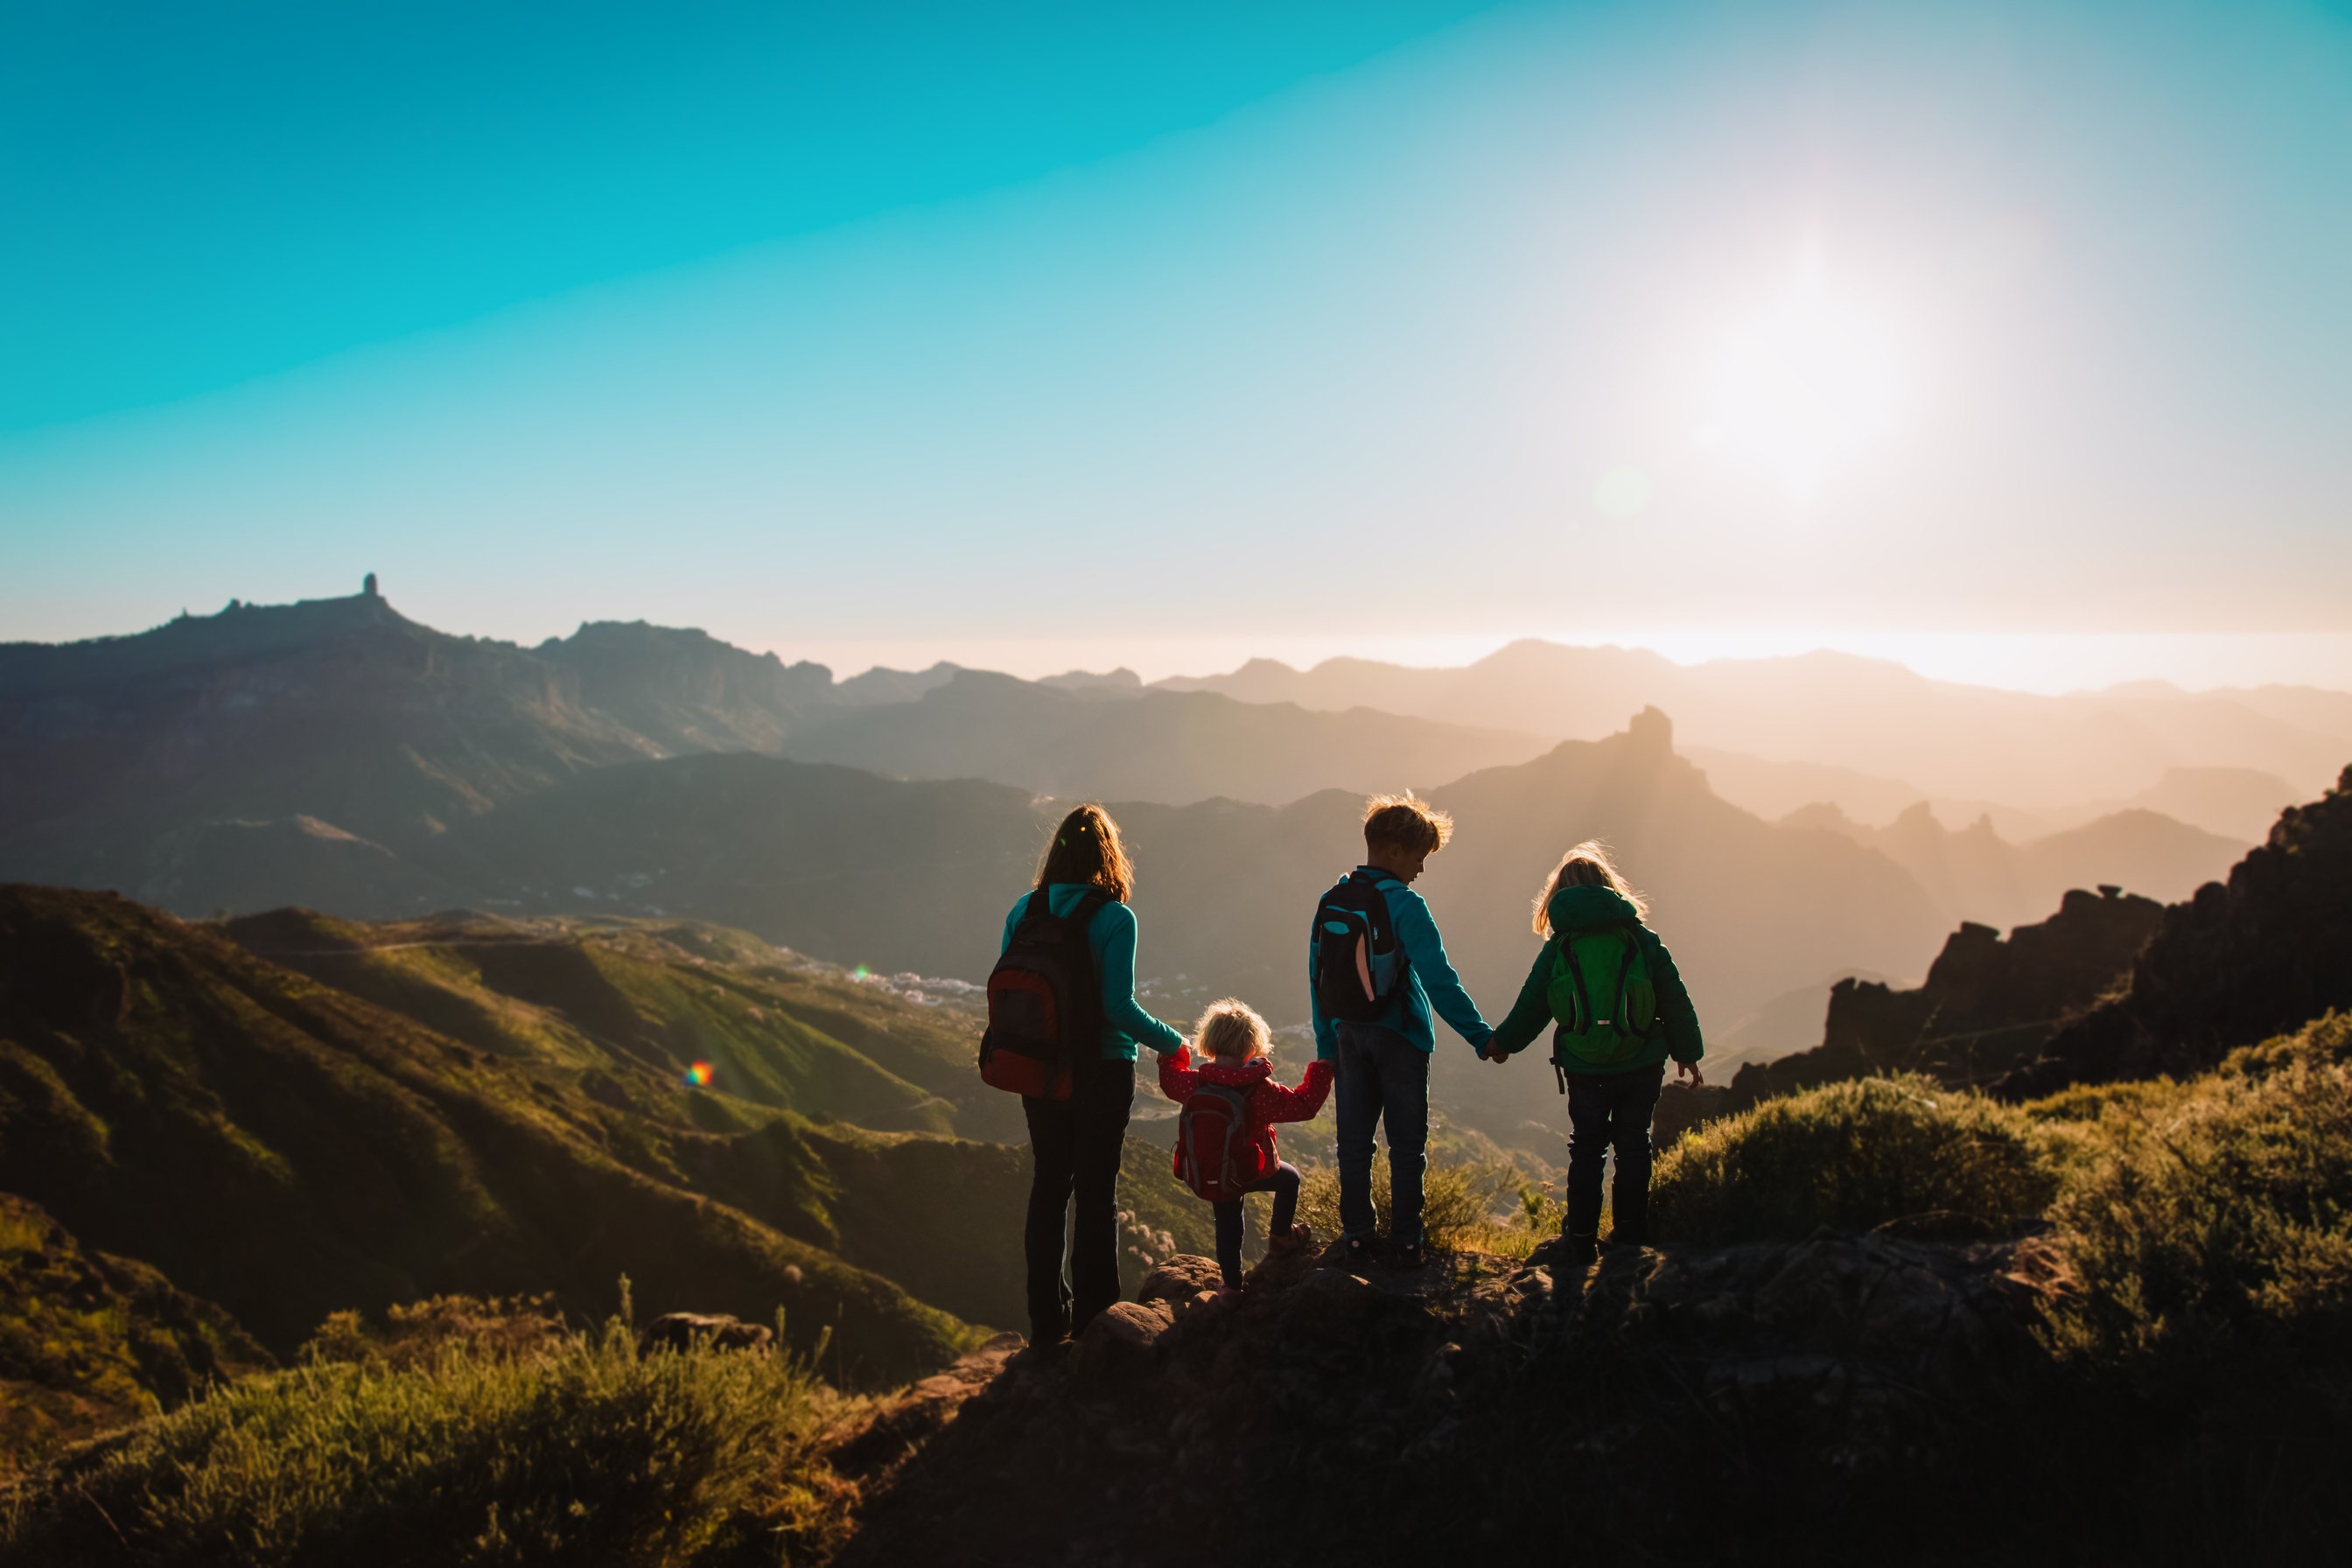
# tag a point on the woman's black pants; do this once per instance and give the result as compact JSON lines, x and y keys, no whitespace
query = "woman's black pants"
{"x":1074,"y":1150}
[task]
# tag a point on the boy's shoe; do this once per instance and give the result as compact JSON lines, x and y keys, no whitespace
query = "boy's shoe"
{"x":1408,"y":1256}
{"x":1622,"y":1240}
{"x":1358,"y":1251}
{"x":1578,"y":1252}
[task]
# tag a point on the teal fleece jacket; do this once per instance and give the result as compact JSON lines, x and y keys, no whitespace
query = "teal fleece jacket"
{"x":1429,"y":979}
{"x":1110,"y":936}
{"x":1582,"y":909}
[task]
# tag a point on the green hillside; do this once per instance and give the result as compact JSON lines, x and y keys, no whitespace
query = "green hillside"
{"x":631,"y":1001}
{"x":90,"y":1342}
{"x":288,"y":1150}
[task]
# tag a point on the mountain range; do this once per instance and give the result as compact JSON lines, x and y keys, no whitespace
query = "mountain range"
{"x":338,"y":756}
{"x":1870,"y":717}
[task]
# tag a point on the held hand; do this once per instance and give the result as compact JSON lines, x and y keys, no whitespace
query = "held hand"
{"x":1495,"y":1054}
{"x":1691,"y":1071}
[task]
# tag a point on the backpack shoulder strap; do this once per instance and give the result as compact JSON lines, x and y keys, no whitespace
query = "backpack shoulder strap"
{"x":1567,"y":940}
{"x":1631,"y":931}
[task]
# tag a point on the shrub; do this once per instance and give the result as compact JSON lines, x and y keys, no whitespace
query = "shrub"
{"x":586,"y":1453}
{"x":2223,"y":1216}
{"x":1858,"y":1156}
{"x":411,"y":1335}
{"x":1461,"y":1201}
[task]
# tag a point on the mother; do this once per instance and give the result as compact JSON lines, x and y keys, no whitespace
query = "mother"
{"x":1074,"y":1143}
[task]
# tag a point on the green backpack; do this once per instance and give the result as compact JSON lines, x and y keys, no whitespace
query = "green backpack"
{"x":1602,"y":996}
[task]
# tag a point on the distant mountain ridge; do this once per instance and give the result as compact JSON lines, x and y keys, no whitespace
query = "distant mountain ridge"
{"x":1872,"y":716}
{"x":335,"y":737}
{"x":1110,"y":743}
{"x":1975,"y":874}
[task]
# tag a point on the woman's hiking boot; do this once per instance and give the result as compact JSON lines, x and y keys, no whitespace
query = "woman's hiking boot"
{"x":1297,"y":1239}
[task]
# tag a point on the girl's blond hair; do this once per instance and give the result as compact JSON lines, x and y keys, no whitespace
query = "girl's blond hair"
{"x":1586,"y":865}
{"x":1232,"y":1030}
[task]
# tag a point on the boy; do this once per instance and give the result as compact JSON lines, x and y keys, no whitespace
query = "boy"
{"x":1375,"y":968}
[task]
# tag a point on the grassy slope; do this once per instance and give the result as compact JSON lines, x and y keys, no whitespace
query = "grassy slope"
{"x":645,"y":1004}
{"x":288,"y":1150}
{"x":90,"y":1341}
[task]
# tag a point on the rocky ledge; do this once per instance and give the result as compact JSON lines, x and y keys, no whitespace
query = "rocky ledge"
{"x":1477,"y":1402}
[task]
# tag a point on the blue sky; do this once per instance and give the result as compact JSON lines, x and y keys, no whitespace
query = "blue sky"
{"x":1052,"y":335}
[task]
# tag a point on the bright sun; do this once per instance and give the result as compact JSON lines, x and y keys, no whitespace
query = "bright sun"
{"x":1806,"y":389}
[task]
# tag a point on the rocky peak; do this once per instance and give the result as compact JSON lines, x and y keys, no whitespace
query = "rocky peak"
{"x":1651,"y":733}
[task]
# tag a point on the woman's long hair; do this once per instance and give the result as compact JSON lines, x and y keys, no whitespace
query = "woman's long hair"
{"x":1586,"y":865}
{"x":1085,"y":849}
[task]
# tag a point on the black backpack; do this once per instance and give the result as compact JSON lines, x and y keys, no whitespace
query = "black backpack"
{"x":1044,"y":1002}
{"x":1357,"y":958}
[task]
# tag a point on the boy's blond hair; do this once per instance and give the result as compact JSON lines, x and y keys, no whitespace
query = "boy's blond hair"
{"x":1231,"y":1030}
{"x":1406,"y":821}
{"x":1586,"y":865}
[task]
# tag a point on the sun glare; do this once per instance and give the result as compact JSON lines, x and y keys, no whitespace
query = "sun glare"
{"x":1808,"y":388}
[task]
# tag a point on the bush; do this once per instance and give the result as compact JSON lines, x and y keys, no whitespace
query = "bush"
{"x":508,"y":1327}
{"x":586,"y":1453}
{"x":2221,"y":1218}
{"x":1858,"y":1155}
{"x":1461,"y":1202}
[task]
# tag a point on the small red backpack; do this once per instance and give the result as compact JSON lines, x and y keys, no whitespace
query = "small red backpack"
{"x":1215,"y":1153}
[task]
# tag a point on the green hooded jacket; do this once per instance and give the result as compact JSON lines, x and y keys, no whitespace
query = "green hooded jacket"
{"x":1582,"y":909}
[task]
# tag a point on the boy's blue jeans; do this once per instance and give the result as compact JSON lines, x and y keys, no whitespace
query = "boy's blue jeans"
{"x":1381,"y":1075}
{"x":1230,"y":1222}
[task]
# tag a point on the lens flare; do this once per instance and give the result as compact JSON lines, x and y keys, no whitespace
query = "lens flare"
{"x":699,"y":1075}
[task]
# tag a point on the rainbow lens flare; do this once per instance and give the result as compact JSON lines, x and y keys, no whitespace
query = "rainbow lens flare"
{"x":699,"y":1075}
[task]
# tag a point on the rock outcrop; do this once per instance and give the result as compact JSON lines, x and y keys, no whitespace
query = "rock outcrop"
{"x":2257,"y":956}
{"x":1988,"y":1006}
{"x":1424,"y":1417}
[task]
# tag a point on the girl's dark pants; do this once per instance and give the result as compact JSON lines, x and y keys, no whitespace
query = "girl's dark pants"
{"x":1606,"y":1110}
{"x":1283,"y":1183}
{"x":1074,"y":1148}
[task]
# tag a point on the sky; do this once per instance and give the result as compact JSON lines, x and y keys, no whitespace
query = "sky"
{"x":2010,"y":340}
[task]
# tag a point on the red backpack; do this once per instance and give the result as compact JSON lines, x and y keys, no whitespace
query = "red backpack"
{"x":1215,"y":1153}
{"x":1044,"y":1004}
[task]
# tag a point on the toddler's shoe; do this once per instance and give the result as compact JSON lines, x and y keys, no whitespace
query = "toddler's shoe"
{"x":1297,"y":1239}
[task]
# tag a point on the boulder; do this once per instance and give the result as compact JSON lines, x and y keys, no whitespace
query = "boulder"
{"x":1121,"y":1340}
{"x":1180,"y":1278}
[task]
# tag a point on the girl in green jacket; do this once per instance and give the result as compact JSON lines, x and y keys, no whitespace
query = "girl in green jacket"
{"x":1606,"y":981}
